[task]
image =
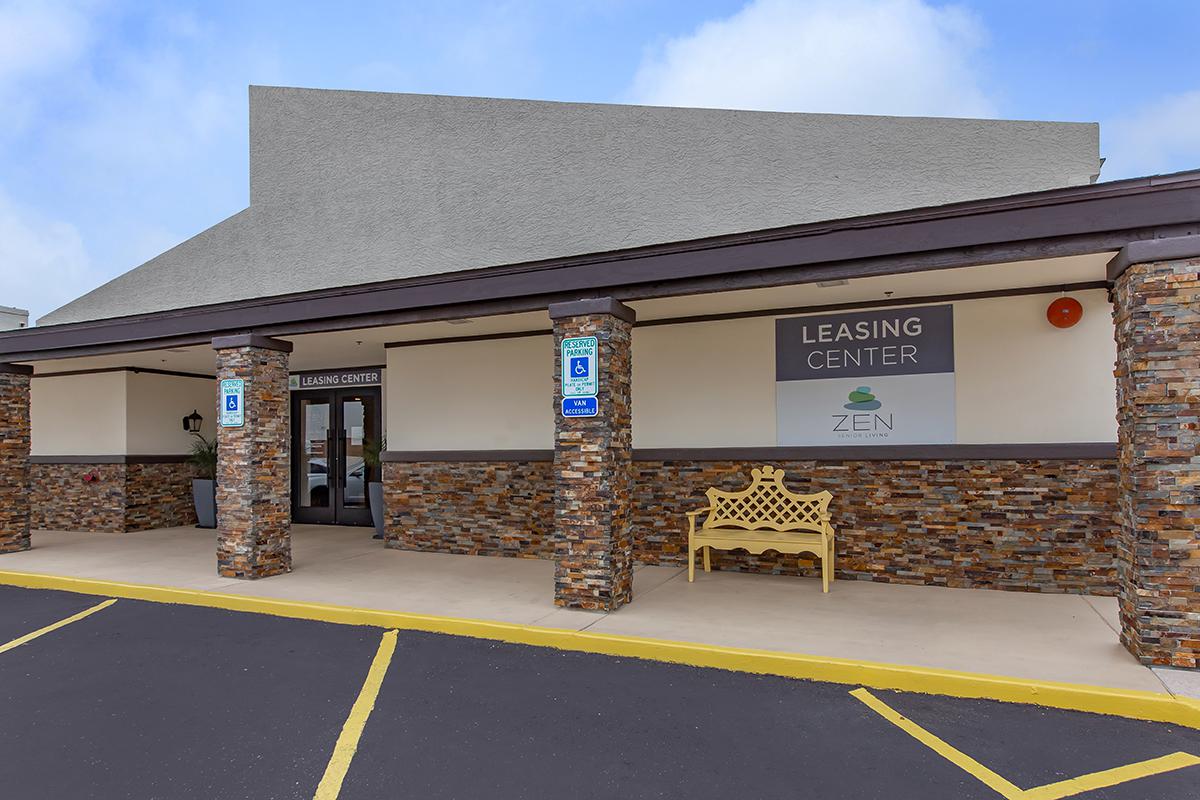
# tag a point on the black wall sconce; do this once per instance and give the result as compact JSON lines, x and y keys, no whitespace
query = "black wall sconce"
{"x":192,"y":422}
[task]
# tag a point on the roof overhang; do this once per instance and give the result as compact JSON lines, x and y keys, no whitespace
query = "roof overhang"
{"x":1071,"y":221}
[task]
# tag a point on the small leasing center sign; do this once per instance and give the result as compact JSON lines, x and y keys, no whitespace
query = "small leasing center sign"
{"x":869,"y":377}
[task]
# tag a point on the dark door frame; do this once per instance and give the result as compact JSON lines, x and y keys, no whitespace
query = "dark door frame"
{"x":335,"y":512}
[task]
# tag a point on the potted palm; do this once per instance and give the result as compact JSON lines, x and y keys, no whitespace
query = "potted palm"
{"x":204,"y":486}
{"x":373,"y":450}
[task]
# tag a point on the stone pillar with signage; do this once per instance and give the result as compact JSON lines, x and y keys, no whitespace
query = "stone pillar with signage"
{"x":593,"y":454}
{"x":14,"y":457}
{"x":1156,"y":312}
{"x":253,"y":459}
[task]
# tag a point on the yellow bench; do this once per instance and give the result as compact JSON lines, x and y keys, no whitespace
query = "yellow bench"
{"x":764,"y":517}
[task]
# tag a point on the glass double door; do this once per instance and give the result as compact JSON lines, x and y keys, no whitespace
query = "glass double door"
{"x":330,"y":430}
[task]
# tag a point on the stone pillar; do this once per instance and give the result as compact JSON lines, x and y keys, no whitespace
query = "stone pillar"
{"x":14,"y":457}
{"x":593,"y":465}
{"x":254,"y":483}
{"x":1156,"y":312}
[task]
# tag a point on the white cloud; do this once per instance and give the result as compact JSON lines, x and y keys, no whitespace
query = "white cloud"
{"x":902,"y":57}
{"x":43,"y":262}
{"x":1161,"y":137}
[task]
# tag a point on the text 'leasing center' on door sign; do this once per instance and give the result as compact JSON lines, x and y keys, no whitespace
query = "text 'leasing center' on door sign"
{"x":580,"y":379}
{"x":868,"y":377}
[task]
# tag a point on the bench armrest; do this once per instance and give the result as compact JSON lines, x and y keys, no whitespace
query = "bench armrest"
{"x":698,"y":511}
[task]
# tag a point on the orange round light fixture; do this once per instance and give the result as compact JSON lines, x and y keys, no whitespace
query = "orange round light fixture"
{"x":1064,"y":312}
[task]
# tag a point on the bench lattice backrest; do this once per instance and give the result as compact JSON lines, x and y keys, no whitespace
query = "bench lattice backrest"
{"x":767,"y":504}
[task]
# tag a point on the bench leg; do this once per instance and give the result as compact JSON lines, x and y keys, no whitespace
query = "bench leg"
{"x":707,"y":562}
{"x":691,"y":563}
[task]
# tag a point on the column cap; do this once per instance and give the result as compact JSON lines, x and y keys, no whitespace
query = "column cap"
{"x":15,"y":369}
{"x":251,"y":340}
{"x":591,"y":306}
{"x":1148,"y":250}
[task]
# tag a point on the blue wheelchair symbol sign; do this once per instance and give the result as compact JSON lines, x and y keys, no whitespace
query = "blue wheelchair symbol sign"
{"x":579,"y":367}
{"x":231,"y":402}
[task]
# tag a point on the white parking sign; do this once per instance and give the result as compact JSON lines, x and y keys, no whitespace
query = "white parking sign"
{"x":233,"y":403}
{"x":579,"y":365}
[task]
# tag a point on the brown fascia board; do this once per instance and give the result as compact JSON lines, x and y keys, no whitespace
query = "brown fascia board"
{"x":1070,"y":221}
{"x":1148,"y":250}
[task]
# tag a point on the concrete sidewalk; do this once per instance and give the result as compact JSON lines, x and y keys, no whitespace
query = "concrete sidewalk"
{"x":1068,"y":638}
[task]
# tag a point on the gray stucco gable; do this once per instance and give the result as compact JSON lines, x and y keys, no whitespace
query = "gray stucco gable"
{"x":356,"y":187}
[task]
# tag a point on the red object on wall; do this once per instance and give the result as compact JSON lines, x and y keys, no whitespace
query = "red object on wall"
{"x":1064,"y":312}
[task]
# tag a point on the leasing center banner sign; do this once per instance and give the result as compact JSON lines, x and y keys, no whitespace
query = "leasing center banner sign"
{"x":868,"y":377}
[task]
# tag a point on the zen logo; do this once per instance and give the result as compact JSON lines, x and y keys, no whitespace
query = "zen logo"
{"x":861,"y":424}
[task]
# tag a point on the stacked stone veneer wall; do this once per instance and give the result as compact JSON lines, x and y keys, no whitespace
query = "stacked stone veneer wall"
{"x":254,"y":505}
{"x":121,"y":498}
{"x":1037,"y":525}
{"x":14,"y":458}
{"x":1025,"y":525}
{"x":474,"y":508}
{"x":1156,"y":311}
{"x":592,"y":465}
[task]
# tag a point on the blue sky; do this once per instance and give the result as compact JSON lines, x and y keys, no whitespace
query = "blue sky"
{"x":124,"y":124}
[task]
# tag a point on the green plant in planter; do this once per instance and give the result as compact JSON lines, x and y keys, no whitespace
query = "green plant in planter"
{"x":204,"y":456}
{"x":372,"y":452}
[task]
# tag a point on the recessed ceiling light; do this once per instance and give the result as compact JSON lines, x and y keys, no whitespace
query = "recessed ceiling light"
{"x":460,"y":321}
{"x":828,"y":284}
{"x":178,"y":350}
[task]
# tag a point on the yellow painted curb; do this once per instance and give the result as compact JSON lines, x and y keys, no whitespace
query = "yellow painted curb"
{"x":1150,"y":706}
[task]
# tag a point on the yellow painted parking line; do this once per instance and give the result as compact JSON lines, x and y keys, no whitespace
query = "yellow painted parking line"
{"x":1111,"y":777}
{"x":1050,"y":791}
{"x":29,"y":637}
{"x":1130,"y":703}
{"x":942,"y":748}
{"x":347,"y":743}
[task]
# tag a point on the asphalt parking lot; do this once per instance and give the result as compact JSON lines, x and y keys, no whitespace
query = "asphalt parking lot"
{"x":149,"y":700}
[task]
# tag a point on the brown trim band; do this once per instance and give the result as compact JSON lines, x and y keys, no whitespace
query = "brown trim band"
{"x":1054,"y":451}
{"x":482,"y":337}
{"x":15,"y":369}
{"x":256,"y":340}
{"x":593,"y":306}
{"x":1070,"y":221}
{"x":1148,"y":250}
{"x":884,"y":303}
{"x":146,"y":370}
{"x":118,"y":459}
{"x":1066,"y":451}
{"x":792,"y":310}
{"x":498,"y":456}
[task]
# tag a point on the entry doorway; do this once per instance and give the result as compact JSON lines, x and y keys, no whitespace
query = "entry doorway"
{"x":330,"y":428}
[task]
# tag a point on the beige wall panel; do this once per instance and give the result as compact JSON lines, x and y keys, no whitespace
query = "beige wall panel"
{"x":78,"y":414}
{"x":1020,"y":379}
{"x":489,"y":395}
{"x":705,"y":384}
{"x":156,"y":407}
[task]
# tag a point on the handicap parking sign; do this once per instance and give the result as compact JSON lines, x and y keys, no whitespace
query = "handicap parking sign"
{"x":579,"y":365}
{"x":579,"y":407}
{"x":233,"y":396}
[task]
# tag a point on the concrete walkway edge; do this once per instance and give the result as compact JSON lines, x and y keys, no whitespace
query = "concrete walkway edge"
{"x":1150,"y":706}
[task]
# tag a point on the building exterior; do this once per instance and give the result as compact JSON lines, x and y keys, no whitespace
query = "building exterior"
{"x":862,"y":301}
{"x":11,"y":318}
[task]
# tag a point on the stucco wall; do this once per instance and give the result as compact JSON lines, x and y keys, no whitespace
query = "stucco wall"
{"x":451,"y":183}
{"x":712,"y":384}
{"x":156,"y":407}
{"x":78,"y":414}
{"x":117,"y":413}
{"x":495,"y":394}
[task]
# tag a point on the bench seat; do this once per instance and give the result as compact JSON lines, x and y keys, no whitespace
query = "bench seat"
{"x":765,"y":516}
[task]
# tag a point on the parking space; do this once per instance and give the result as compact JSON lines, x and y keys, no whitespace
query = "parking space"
{"x":147,"y":700}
